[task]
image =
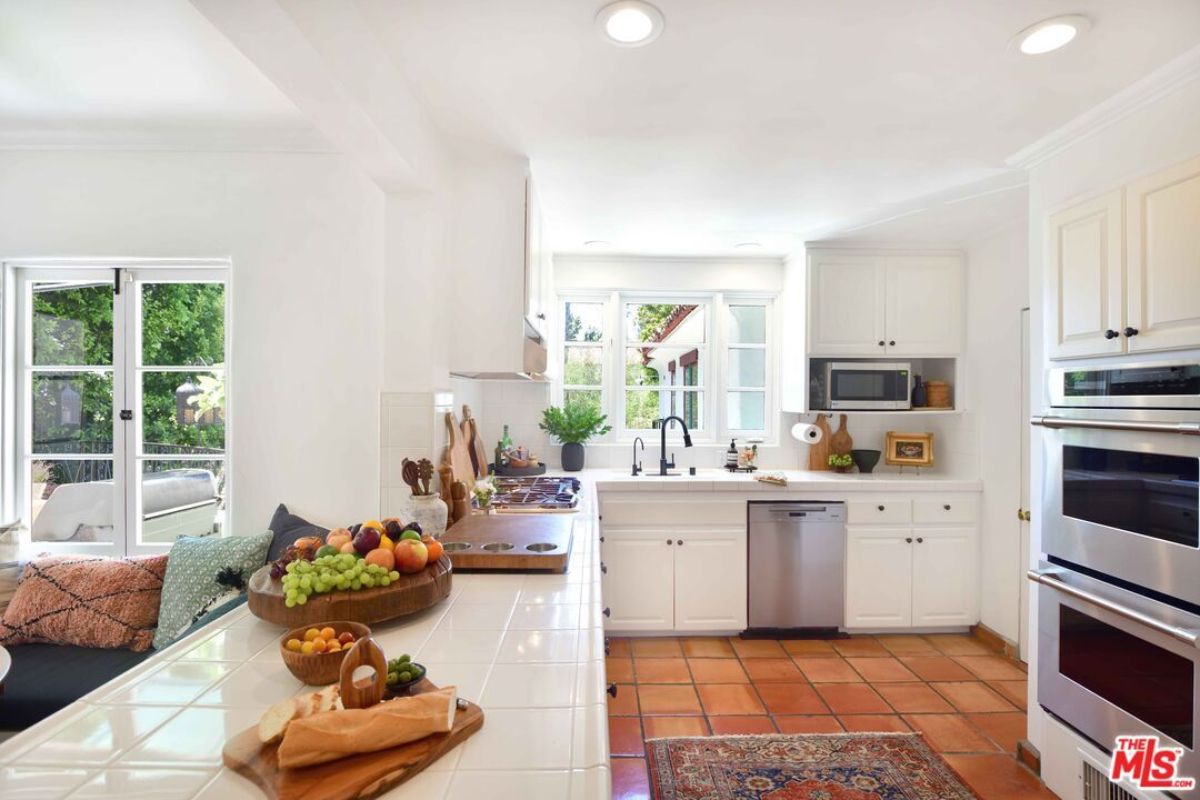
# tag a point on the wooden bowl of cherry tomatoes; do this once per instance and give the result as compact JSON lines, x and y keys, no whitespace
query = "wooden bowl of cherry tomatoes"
{"x":314,"y":653}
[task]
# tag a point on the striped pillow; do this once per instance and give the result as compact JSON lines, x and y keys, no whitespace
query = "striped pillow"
{"x":88,"y":601}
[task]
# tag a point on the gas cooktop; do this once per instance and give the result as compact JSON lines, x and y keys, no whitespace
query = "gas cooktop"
{"x":535,"y":494}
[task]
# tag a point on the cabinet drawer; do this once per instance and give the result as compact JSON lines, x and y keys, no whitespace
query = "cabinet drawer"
{"x":878,"y":512}
{"x":950,"y":510}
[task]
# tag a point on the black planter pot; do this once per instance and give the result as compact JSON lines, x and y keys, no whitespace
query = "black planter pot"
{"x":865,"y":460}
{"x":572,"y":456}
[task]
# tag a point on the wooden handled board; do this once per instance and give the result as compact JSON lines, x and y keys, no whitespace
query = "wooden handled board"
{"x":458,"y":453}
{"x":355,"y":778}
{"x":470,"y":429}
{"x":818,"y":454}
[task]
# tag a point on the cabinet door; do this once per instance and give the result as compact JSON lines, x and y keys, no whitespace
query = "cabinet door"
{"x":536,"y":256}
{"x":845,"y":305}
{"x":1162,"y":294}
{"x":924,"y":306}
{"x":944,"y":586}
{"x":878,"y":577}
{"x":638,"y":587}
{"x":1085,"y":294}
{"x":710,"y":580}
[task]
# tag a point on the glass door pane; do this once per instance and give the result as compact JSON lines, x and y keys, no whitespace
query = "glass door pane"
{"x":180,"y":385}
{"x":69,"y":461}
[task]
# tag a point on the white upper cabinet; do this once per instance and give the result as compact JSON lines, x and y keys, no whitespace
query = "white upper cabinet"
{"x":894,"y":305}
{"x":924,"y":305}
{"x":537,"y":268}
{"x":1085,"y":294}
{"x":1162,"y":296}
{"x":1124,"y":268}
{"x":846,"y":305}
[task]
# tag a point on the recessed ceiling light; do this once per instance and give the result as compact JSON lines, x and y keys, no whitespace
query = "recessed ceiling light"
{"x":596,"y":243}
{"x":749,"y":246}
{"x":1050,"y":34}
{"x":630,"y":23}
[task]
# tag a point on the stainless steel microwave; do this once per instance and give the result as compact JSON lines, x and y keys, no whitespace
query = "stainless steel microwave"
{"x":868,"y":385}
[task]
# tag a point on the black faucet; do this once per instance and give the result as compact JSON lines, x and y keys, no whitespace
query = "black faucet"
{"x":637,"y":465}
{"x":663,"y":464}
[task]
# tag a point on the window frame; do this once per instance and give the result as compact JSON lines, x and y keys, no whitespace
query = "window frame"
{"x":604,"y":346}
{"x":17,"y":369}
{"x":715,"y":385}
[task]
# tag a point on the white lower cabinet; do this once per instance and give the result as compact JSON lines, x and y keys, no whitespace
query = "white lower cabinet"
{"x":674,"y":579}
{"x":915,"y":575}
{"x":879,"y":577}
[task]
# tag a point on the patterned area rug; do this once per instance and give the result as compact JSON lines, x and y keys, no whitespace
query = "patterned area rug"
{"x":849,"y":766}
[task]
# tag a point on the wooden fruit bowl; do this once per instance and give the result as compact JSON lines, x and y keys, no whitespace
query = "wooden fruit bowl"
{"x":319,"y":669}
{"x":408,"y":595}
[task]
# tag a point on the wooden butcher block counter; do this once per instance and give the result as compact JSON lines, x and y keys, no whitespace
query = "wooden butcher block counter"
{"x":520,"y":542}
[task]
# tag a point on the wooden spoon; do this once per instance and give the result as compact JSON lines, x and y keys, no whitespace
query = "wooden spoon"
{"x":410,"y":473}
{"x":425,"y":470}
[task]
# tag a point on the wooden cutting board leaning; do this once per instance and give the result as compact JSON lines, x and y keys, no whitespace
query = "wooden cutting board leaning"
{"x":818,"y":454}
{"x":840,"y":444}
{"x":458,"y":453}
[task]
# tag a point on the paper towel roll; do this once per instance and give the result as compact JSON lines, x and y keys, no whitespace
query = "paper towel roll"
{"x":809,"y":434}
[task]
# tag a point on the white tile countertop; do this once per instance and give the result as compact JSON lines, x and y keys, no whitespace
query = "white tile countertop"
{"x":720,"y":480}
{"x":528,"y":648}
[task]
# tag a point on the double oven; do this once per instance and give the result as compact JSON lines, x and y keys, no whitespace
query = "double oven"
{"x":1119,"y":589}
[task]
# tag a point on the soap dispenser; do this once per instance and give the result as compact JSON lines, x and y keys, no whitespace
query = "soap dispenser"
{"x":731,"y":456}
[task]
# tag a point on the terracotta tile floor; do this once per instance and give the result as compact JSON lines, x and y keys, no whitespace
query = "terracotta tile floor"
{"x":968,"y":702}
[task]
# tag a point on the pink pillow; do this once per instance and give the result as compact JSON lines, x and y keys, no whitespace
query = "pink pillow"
{"x":88,"y":601}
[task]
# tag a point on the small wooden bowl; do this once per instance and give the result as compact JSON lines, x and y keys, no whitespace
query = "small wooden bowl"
{"x":319,"y":669}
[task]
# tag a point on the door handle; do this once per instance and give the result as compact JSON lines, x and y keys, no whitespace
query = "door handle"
{"x":1049,"y":578}
{"x":1183,"y":428}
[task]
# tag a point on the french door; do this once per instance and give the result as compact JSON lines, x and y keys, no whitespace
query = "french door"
{"x":122,"y":425}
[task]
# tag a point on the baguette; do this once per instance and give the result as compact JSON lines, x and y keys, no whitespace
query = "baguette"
{"x":328,"y":737}
{"x":275,"y":721}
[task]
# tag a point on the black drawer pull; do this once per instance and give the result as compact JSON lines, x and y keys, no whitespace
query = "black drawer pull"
{"x":908,"y":539}
{"x":607,"y":611}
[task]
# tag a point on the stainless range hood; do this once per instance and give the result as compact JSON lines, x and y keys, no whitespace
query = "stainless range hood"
{"x":534,"y":360}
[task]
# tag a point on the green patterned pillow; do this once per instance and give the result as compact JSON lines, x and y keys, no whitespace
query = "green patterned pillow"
{"x":203,"y":573}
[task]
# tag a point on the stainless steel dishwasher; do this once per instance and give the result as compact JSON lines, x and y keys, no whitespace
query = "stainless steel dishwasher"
{"x":797,"y":566}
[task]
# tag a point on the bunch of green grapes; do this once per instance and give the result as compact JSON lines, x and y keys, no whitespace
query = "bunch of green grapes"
{"x":342,"y":572}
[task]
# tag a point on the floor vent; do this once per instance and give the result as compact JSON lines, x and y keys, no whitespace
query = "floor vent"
{"x":1097,"y":786}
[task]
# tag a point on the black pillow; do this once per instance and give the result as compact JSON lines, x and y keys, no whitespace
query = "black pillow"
{"x":287,"y":528}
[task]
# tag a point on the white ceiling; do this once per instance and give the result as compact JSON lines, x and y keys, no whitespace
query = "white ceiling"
{"x":133,"y":72}
{"x":762,"y":119}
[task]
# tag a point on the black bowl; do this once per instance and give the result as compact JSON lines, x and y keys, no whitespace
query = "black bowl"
{"x":404,"y":686}
{"x":865,"y":460}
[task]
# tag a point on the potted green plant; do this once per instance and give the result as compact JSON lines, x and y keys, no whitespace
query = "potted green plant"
{"x":841,"y":463}
{"x":574,"y":424}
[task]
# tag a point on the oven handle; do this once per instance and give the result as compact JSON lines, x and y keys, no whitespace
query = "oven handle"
{"x":1183,"y":428}
{"x":1049,"y":577}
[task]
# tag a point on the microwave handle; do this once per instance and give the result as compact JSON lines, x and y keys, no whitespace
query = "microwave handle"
{"x":1049,"y":577}
{"x":1182,"y":428}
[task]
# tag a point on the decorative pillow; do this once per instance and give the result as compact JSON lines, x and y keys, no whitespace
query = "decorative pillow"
{"x":88,"y":601}
{"x":202,"y":574}
{"x":287,"y":528}
{"x":10,"y":576}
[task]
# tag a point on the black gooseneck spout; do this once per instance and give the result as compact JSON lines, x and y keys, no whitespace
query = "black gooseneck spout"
{"x":663,"y":463}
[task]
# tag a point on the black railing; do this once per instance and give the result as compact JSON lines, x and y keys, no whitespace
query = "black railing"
{"x":64,"y":471}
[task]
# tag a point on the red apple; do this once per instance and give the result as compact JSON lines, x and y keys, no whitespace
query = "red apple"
{"x":366,"y":540}
{"x":411,"y":556}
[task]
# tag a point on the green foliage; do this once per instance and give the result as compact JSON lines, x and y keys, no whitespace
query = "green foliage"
{"x":840,"y":461}
{"x":575,"y":422}
{"x":650,"y":318}
{"x":575,"y":326}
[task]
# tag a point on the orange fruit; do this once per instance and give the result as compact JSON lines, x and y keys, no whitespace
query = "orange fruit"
{"x":320,"y":645}
{"x":293,"y":645}
{"x":382,"y":558}
{"x":328,"y":633}
{"x":310,"y":634}
{"x":306,"y":648}
{"x":333,"y":647}
{"x":435,"y":550}
{"x":374,"y":523}
{"x":348,"y":547}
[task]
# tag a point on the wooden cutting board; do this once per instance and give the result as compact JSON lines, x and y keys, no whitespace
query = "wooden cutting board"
{"x":840,"y":444}
{"x":458,"y":454}
{"x":354,"y":778}
{"x":468,"y":541}
{"x":479,"y":457}
{"x":408,"y":595}
{"x":818,"y":454}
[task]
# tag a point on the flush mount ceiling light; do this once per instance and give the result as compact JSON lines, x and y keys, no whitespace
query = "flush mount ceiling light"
{"x":596,"y":243}
{"x":1050,"y":34}
{"x":629,"y":23}
{"x":749,"y":246}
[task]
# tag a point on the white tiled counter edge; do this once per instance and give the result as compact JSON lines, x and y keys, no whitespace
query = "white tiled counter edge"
{"x":528,"y":648}
{"x":799,"y":481}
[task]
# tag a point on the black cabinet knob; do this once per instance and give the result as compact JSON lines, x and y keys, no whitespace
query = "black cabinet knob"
{"x":601,"y":540}
{"x":1111,"y":334}
{"x":607,"y":611}
{"x":919,"y":540}
{"x":612,"y":690}
{"x":680,"y":543}
{"x":670,"y":541}
{"x":603,"y":569}
{"x":606,"y":645}
{"x":947,"y":506}
{"x":881,"y":508}
{"x":908,"y":539}
{"x":882,"y":343}
{"x":1131,"y":331}
{"x":892,"y":343}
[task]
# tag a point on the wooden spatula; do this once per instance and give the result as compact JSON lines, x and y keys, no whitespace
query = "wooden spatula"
{"x":410,"y":472}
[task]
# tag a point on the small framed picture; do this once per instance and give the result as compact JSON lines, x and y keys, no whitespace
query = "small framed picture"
{"x":909,"y":449}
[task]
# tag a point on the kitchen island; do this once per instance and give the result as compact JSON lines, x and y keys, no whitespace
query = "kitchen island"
{"x":528,"y":648}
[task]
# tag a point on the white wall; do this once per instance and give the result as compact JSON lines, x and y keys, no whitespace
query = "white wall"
{"x":305,"y":236}
{"x":1154,"y":135}
{"x":997,"y":290}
